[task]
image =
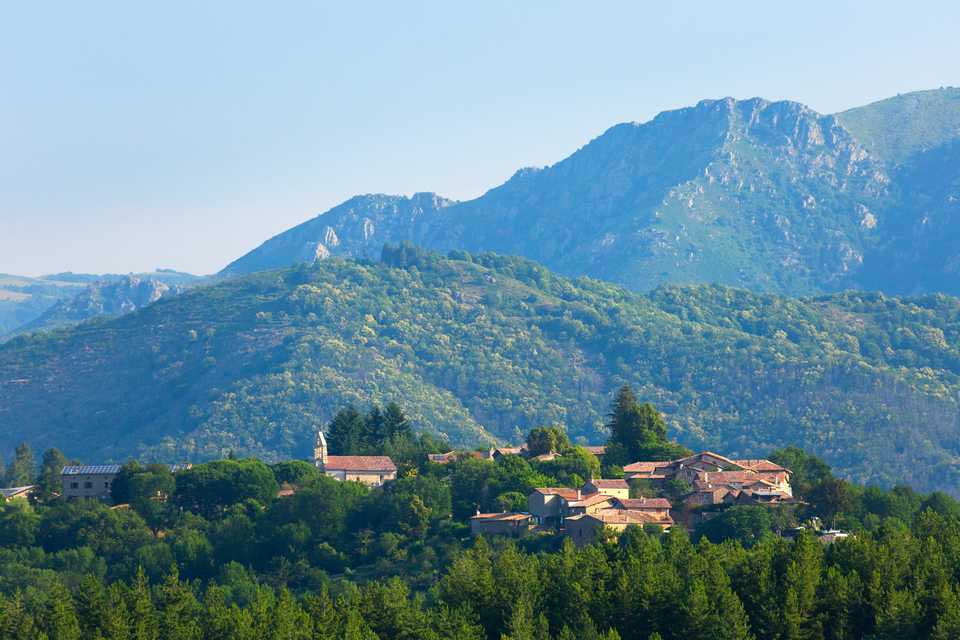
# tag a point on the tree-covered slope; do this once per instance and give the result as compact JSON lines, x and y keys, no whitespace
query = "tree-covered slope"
{"x":484,"y":347}
{"x":769,"y":196}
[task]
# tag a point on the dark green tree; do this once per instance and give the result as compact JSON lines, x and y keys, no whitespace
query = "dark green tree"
{"x":22,"y":470}
{"x":638,"y":432}
{"x":53,"y":462}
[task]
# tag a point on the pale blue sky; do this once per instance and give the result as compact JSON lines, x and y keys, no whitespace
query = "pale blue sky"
{"x":137,"y":135}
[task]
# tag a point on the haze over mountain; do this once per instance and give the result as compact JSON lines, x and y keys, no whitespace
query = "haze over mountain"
{"x":769,"y":196}
{"x":481,"y":348}
{"x":63,"y":299}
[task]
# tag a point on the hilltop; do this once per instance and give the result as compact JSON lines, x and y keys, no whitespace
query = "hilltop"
{"x":479,"y":349}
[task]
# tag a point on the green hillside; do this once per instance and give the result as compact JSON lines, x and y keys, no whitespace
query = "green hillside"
{"x":481,"y":348}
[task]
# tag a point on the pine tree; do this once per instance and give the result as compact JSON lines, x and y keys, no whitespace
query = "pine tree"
{"x":396,"y":423}
{"x":289,"y":620}
{"x":324,"y":617}
{"x":116,"y":624}
{"x":91,"y":604}
{"x":143,"y":615}
{"x":179,"y":609}
{"x":62,"y":623}
{"x":53,"y":462}
{"x":16,"y":622}
{"x":22,"y":471}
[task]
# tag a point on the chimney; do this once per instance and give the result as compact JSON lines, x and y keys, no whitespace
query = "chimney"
{"x":478,"y":511}
{"x":579,"y":494}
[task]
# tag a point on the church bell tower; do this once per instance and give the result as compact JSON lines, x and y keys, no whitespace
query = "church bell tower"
{"x":320,"y":451}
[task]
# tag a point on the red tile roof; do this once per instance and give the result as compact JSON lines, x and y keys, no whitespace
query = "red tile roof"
{"x":590,"y":500}
{"x":613,"y":483}
{"x":359,"y":463}
{"x":563,"y":492}
{"x":625,"y":516}
{"x":644,"y":503}
{"x":761,"y":465}
{"x":501,"y":516}
{"x":658,"y":467}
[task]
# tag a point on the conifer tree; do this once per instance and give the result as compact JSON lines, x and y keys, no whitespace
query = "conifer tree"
{"x":22,"y":470}
{"x":61,"y":619}
{"x":143,"y":615}
{"x":179,"y":609}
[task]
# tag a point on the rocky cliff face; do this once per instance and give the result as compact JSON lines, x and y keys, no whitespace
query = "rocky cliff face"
{"x":358,"y":228}
{"x":770,"y":196}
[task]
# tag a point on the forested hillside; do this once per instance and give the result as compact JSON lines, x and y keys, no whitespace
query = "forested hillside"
{"x":480,"y":348}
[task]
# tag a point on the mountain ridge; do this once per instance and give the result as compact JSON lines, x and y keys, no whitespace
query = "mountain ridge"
{"x":765,"y":195}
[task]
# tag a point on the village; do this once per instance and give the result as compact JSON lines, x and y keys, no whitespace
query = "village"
{"x":653,"y":495}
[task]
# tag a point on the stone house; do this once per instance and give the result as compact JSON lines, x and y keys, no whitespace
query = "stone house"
{"x":614,"y":487}
{"x":546,"y":504}
{"x":95,"y":480}
{"x":502,"y":524}
{"x":587,"y":528}
{"x":370,"y":470}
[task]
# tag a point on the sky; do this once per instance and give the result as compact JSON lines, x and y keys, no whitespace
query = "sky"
{"x":142,"y":135}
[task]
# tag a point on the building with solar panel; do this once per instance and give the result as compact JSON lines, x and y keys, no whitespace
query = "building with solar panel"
{"x":94,"y":480}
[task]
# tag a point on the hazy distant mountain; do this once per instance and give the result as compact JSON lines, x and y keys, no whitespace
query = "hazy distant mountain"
{"x":767,"y":196}
{"x":485,"y":347}
{"x":106,"y":298}
{"x":61,"y":299}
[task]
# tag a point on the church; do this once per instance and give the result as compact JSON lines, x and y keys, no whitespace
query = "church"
{"x":372,"y":471}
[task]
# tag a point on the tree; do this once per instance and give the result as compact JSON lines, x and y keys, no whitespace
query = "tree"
{"x":395,"y":422}
{"x":638,"y":432}
{"x":22,"y":471}
{"x":746,"y":524}
{"x":53,"y":462}
{"x":62,"y":623}
{"x":543,"y":440}
{"x":347,"y":433}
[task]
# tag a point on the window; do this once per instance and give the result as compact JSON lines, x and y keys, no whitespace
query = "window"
{"x":106,"y":485}
{"x":74,"y":485}
{"x":88,"y":485}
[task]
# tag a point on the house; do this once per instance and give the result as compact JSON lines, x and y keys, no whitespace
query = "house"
{"x":546,"y":504}
{"x":18,"y":493}
{"x":500,"y":524}
{"x":649,"y":471}
{"x":372,"y":471}
{"x":658,"y":507}
{"x":450,"y":456}
{"x":614,"y":487}
{"x":587,"y":528}
{"x":597,"y":450}
{"x":586,"y":504}
{"x":95,"y":480}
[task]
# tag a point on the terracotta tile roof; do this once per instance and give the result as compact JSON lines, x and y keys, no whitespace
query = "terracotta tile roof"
{"x":727,"y":477}
{"x":501,"y":517}
{"x":613,"y":483}
{"x":705,"y":454}
{"x":625,"y":516}
{"x":590,"y":500}
{"x":644,"y":503}
{"x":563,"y":492}
{"x":359,"y":463}
{"x":597,"y":450}
{"x":762,"y":465}
{"x":647,"y":467}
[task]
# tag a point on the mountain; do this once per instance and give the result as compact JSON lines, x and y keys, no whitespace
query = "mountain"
{"x":103,"y":298}
{"x":23,"y":299}
{"x":769,"y":196}
{"x":62,"y":299}
{"x":481,"y":348}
